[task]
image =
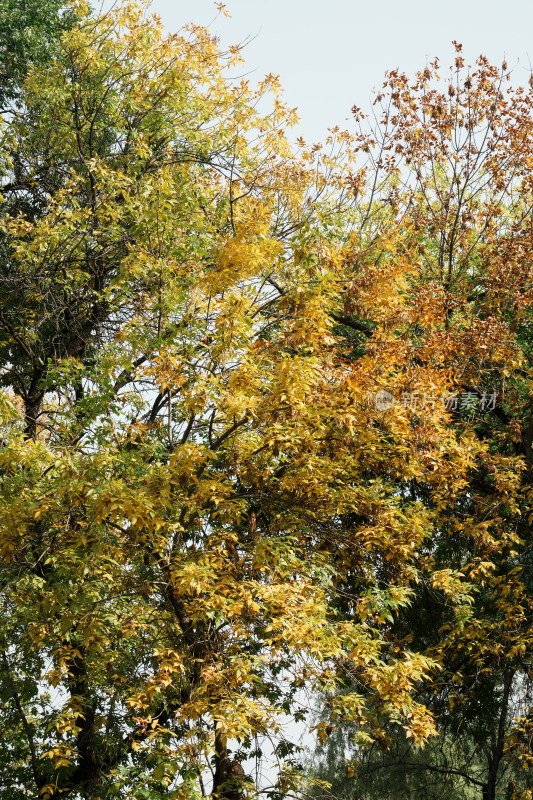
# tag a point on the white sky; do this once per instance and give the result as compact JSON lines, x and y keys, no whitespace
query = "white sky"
{"x":331,"y":53}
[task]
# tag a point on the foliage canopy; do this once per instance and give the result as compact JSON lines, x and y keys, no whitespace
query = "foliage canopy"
{"x":204,"y":508}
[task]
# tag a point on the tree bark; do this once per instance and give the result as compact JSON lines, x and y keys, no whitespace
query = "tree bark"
{"x":496,"y":752}
{"x":229,"y":775}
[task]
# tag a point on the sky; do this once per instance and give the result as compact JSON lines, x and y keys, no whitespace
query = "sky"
{"x":330,"y":54}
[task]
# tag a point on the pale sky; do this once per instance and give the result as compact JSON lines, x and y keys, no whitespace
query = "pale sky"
{"x":331,"y":53}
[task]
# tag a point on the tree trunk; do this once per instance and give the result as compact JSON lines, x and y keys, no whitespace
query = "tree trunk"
{"x":229,"y":775}
{"x":489,"y":788}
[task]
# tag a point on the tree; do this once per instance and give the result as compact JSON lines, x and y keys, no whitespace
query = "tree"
{"x":29,"y":36}
{"x":452,"y":160}
{"x":193,"y":465}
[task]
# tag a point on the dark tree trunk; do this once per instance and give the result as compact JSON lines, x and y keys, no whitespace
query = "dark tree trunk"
{"x":32,"y":406}
{"x":229,"y":775}
{"x":89,"y":770}
{"x":496,"y":752}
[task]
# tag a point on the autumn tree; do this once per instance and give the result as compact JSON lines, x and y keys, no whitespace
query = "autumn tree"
{"x":449,"y":157}
{"x":194,"y":469}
